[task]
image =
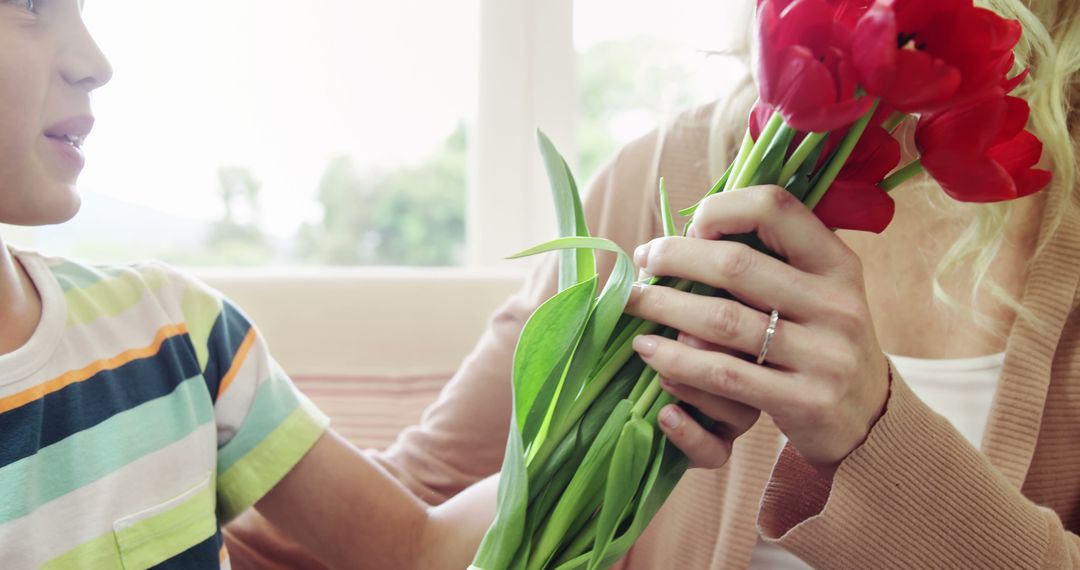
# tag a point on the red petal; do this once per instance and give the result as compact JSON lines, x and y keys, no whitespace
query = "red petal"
{"x":803,"y":80}
{"x":808,"y":99}
{"x":1004,"y":34}
{"x":856,"y":206}
{"x":821,"y":118}
{"x":875,"y":155}
{"x":759,"y":117}
{"x":1009,"y":85}
{"x":1032,"y":181}
{"x":848,"y":12}
{"x":1018,"y":155}
{"x":782,"y":26}
{"x":767,"y":61}
{"x":916,"y":82}
{"x":967,"y":130}
{"x":972,"y":179}
{"x":1016,"y":118}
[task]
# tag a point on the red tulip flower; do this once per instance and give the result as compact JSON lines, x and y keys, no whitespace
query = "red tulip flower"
{"x":854,"y":201}
{"x":980,"y":152}
{"x":925,"y":55}
{"x":845,"y":11}
{"x":805,"y":67}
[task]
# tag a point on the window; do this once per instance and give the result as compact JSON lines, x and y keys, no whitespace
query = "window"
{"x":345,"y":132}
{"x":640,"y":62}
{"x":256,"y":133}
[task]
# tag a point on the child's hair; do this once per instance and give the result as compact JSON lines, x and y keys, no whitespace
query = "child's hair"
{"x":1050,"y":46}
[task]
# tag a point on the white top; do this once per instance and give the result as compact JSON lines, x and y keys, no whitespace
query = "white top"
{"x":960,"y":389}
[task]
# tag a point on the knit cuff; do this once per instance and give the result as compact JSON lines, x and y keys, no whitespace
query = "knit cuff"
{"x":914,"y":494}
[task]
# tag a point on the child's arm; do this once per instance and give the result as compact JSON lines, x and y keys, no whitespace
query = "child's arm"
{"x":352,"y":514}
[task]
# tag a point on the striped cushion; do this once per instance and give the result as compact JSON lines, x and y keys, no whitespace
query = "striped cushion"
{"x":370,"y":411}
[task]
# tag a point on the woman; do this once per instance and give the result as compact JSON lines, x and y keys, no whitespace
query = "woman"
{"x":865,"y":358}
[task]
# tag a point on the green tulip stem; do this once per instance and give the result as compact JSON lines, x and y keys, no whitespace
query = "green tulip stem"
{"x":836,"y":162}
{"x":662,"y":400}
{"x":802,"y":152}
{"x":641,"y":407}
{"x":894,"y":121}
{"x":740,"y":160}
{"x":909,"y":171}
{"x":641,"y":383}
{"x":753,"y":159}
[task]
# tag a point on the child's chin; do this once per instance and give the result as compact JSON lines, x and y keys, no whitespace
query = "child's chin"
{"x":62,"y":208}
{"x":67,"y":210}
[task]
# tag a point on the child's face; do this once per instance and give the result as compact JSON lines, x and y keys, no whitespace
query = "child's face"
{"x":48,"y":66}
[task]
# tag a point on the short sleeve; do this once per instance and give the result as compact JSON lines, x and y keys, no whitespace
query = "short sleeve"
{"x":264,"y":424}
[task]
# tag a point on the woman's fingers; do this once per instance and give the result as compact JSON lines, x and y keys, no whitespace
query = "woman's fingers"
{"x":722,"y":323}
{"x":754,"y":278}
{"x":704,"y":448}
{"x":717,"y":373}
{"x":785,"y":225}
{"x":733,"y":419}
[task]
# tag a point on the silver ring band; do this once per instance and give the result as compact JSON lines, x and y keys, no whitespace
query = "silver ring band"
{"x":774,"y":318}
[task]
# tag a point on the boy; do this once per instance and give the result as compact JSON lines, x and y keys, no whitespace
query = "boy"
{"x":139,"y":409}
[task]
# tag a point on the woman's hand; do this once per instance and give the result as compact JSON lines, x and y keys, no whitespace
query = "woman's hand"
{"x":824,"y":380}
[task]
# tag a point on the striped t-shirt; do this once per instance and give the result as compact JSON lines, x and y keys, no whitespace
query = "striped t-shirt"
{"x":144,"y":412}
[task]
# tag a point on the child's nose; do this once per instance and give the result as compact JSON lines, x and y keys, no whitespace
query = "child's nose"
{"x":83,"y":63}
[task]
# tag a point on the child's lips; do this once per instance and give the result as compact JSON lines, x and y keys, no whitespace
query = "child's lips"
{"x":77,"y":127}
{"x":70,"y":155}
{"x":66,"y":139}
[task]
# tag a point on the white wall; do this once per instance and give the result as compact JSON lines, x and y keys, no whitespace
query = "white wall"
{"x":386,"y":321}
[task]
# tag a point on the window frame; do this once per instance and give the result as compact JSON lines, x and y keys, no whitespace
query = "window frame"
{"x":528,"y":81}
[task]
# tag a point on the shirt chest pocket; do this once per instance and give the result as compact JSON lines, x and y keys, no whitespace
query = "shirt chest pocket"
{"x":156,"y":534}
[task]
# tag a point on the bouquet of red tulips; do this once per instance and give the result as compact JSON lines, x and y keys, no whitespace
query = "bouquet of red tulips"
{"x":586,"y":467}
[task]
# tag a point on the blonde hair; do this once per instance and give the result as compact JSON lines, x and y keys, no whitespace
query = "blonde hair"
{"x":1050,"y":46}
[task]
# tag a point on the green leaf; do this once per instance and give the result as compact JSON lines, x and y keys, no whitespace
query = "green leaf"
{"x":629,"y":462}
{"x":665,"y":211}
{"x":583,"y":490}
{"x":548,"y":492}
{"x":570,"y":243}
{"x":599,"y":326}
{"x":598,"y":331}
{"x":574,"y":266}
{"x":618,"y":389}
{"x":506,"y":534}
{"x":546,"y":343}
{"x":576,"y":443}
{"x":668,"y":466}
{"x":582,"y":543}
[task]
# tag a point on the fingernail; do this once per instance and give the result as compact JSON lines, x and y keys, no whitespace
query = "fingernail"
{"x":641,"y":255}
{"x":645,"y":345}
{"x":637,"y":290}
{"x":670,"y":418}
